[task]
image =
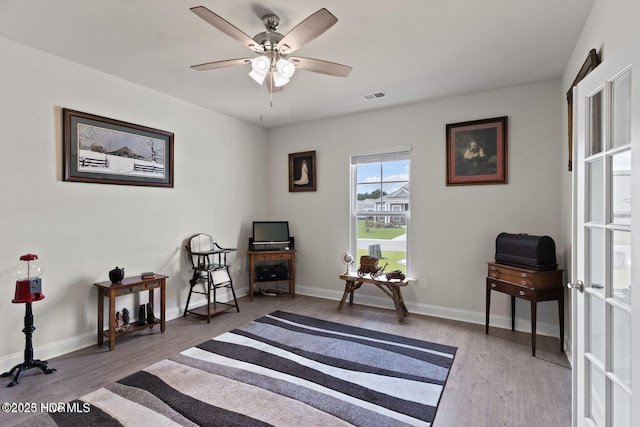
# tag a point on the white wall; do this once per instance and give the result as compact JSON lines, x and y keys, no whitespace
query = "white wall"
{"x":80,"y":231}
{"x":453,"y":228}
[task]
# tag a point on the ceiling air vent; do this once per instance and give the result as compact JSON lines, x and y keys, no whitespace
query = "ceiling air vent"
{"x":373,"y":96}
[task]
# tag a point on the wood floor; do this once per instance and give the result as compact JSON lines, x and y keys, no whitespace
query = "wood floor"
{"x":494,"y":380}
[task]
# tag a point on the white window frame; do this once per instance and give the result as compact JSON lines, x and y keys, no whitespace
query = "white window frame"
{"x":380,"y":155}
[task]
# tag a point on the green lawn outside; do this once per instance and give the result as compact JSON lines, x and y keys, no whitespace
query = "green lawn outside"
{"x":371,"y":232}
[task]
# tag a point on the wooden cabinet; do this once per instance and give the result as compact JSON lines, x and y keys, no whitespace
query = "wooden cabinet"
{"x":525,"y":277}
{"x":532,"y":285}
{"x":256,"y":257}
{"x":129,"y":285}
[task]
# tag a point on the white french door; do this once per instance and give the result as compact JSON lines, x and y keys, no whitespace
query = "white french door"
{"x":606,"y":242}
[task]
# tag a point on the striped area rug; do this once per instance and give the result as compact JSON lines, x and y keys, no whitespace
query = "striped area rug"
{"x":283,"y":369}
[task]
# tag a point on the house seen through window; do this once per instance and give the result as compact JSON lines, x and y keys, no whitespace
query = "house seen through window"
{"x":380,"y":208}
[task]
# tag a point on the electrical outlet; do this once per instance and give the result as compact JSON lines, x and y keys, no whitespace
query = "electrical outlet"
{"x":422,"y":282}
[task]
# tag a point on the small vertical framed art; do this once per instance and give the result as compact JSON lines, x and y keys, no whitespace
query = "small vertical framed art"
{"x":302,"y":171}
{"x":477,"y":152}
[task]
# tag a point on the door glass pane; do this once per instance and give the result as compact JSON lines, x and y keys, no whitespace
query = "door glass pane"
{"x":621,"y":407}
{"x":596,"y":259}
{"x":621,"y":268}
{"x":596,"y":404}
{"x":595,"y":137}
{"x":621,"y":188}
{"x":621,"y":110}
{"x":621,"y":345}
{"x":595,"y":340}
{"x":596,"y":197}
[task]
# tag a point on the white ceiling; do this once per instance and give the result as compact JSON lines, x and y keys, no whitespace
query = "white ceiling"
{"x":413,"y":50}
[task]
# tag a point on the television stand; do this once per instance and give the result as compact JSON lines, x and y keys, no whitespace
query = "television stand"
{"x":270,"y":256}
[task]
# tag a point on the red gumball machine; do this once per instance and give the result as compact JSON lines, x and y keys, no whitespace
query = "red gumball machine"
{"x":28,"y":290}
{"x":29,"y":284}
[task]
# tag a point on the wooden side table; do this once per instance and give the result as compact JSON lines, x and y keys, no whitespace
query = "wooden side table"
{"x":532,"y":285}
{"x":285,"y":255}
{"x":391,"y":288}
{"x":129,"y":285}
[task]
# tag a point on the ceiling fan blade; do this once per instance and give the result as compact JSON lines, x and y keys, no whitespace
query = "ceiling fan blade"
{"x":221,"y":64}
{"x":271,"y":87}
{"x":307,"y":31}
{"x":226,"y":27}
{"x":320,"y":66}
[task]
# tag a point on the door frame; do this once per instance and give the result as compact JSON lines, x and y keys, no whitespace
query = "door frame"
{"x":632,"y":51}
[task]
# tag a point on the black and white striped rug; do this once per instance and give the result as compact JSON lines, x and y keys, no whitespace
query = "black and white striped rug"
{"x":280,"y":370}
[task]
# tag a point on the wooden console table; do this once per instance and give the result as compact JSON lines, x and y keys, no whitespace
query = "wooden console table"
{"x":129,"y":285}
{"x":531,"y":285}
{"x":391,"y":288}
{"x":284,"y":255}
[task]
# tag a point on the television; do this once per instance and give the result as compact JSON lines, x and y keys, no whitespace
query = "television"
{"x":271,"y":235}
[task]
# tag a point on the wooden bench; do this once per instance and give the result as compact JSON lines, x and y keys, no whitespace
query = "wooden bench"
{"x":391,"y":288}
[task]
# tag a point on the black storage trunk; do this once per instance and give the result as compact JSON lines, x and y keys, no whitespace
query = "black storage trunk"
{"x":523,"y":250}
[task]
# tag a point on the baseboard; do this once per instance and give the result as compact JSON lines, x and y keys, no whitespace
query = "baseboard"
{"x":58,"y":348}
{"x":68,"y":345}
{"x":504,"y":322}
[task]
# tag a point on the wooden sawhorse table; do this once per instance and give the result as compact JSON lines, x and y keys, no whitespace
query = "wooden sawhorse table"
{"x":390,"y":287}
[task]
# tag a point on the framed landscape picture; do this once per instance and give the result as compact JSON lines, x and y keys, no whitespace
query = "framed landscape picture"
{"x":477,"y":152}
{"x":302,"y":171}
{"x":107,"y":151}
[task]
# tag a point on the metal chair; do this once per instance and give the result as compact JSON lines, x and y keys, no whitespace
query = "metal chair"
{"x":210,"y":268}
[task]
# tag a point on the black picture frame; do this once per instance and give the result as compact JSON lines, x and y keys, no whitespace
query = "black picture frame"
{"x":107,"y":151}
{"x":589,"y":65}
{"x":477,"y":152}
{"x":302,"y":171}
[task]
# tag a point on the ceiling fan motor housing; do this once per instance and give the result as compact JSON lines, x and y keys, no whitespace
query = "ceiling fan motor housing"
{"x":271,"y":21}
{"x":268,"y":39}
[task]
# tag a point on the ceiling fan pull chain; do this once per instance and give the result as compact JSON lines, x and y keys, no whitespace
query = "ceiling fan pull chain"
{"x":271,"y":93}
{"x":261,"y":103}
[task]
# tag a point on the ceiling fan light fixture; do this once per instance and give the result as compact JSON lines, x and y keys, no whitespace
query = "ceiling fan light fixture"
{"x":259,"y":78}
{"x":285,"y":68}
{"x":259,"y":68}
{"x":260,"y":64}
{"x":278,"y":79}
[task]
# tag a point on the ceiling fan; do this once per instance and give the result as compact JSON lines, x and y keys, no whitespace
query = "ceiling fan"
{"x":274,"y":65}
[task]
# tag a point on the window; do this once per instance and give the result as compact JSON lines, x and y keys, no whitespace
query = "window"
{"x":380,"y":208}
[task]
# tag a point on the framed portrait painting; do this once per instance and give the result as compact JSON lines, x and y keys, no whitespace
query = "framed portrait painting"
{"x":477,"y":152}
{"x":107,"y":151}
{"x":302,"y":171}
